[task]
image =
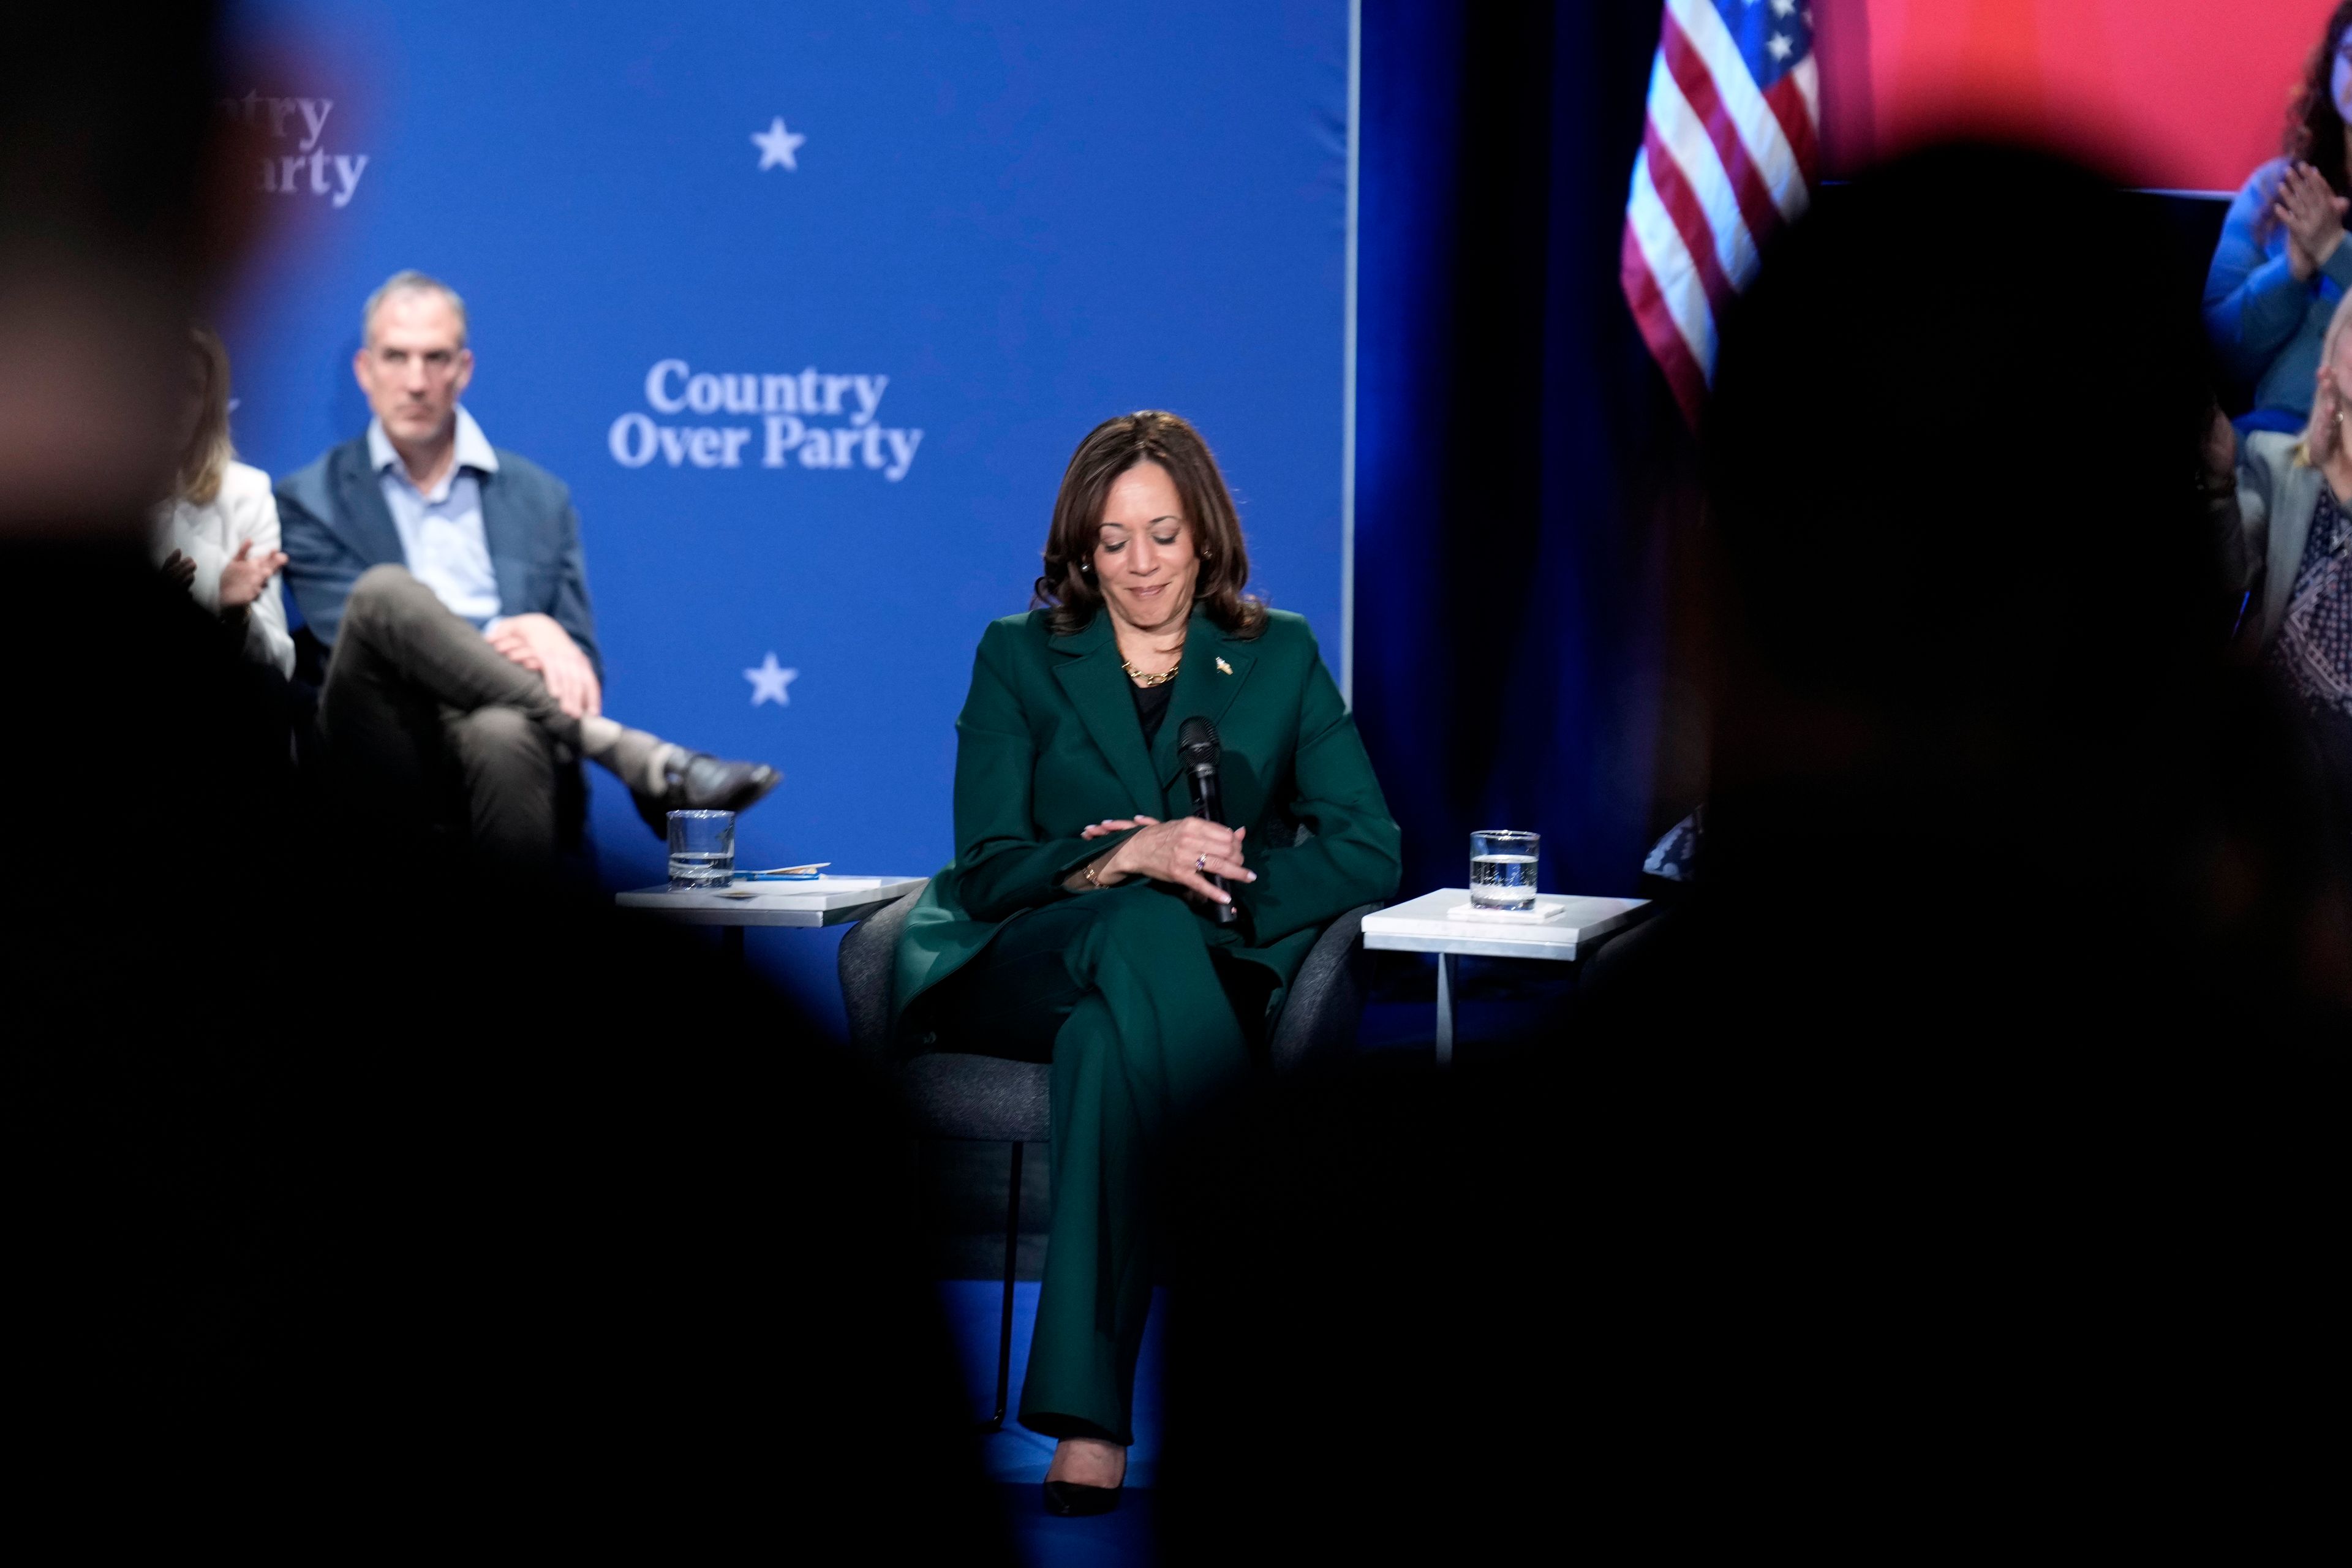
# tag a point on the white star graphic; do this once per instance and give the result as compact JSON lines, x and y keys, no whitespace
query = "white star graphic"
{"x":768,"y":682}
{"x":777,"y":145}
{"x":1784,"y":7}
{"x":1778,"y":46}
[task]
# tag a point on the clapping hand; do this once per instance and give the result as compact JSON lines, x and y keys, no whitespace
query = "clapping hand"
{"x":244,"y":576}
{"x":179,"y":570}
{"x":538,"y":642}
{"x":2312,"y":215}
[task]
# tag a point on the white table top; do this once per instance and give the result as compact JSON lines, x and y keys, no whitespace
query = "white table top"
{"x":1423,"y":925}
{"x":823,"y":901}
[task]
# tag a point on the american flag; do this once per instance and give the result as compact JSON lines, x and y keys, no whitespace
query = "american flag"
{"x":1729,"y":152}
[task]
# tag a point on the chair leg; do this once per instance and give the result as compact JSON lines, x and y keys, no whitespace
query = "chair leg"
{"x":1004,"y":1323}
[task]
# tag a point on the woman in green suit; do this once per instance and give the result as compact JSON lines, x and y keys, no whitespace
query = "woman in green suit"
{"x":1077,"y":925}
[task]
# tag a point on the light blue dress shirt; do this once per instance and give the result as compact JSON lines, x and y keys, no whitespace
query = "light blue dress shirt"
{"x":441,"y":534}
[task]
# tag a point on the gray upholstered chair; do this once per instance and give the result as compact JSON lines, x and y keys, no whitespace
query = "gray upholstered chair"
{"x":955,"y":1096}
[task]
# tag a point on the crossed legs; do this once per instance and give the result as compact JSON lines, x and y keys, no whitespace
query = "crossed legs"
{"x":415,"y":694}
{"x":507,"y":763}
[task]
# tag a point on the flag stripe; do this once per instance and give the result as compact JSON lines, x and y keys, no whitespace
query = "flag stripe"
{"x":1658,"y":330}
{"x":1758,"y":127}
{"x":1788,"y":101}
{"x":1696,"y":87}
{"x":1677,"y":135}
{"x":1723,"y":164}
{"x":1681,"y":206}
{"x":1671,"y":269}
{"x":1808,"y":77}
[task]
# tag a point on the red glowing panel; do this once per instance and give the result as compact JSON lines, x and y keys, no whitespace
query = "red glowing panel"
{"x":2185,"y":94}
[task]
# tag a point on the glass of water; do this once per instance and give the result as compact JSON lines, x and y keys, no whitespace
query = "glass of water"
{"x":701,"y":849}
{"x":1502,"y":868}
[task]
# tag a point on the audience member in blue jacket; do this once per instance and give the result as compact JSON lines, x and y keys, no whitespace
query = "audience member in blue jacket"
{"x":447,"y":579}
{"x":2282,"y":264}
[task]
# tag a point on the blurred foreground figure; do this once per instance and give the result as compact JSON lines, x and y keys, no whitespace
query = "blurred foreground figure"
{"x":1988,"y":1083}
{"x":309,"y":1234}
{"x":1960,"y":1159}
{"x":1979,"y":744}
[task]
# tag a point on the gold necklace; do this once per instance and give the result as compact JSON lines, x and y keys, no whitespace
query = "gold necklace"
{"x":1148,"y":682}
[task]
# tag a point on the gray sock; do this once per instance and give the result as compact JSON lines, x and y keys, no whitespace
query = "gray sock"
{"x":638,"y":759}
{"x":597,"y":735}
{"x":665,"y":756}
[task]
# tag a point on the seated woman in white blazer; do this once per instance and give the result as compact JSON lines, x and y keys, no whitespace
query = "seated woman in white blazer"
{"x":216,"y":533}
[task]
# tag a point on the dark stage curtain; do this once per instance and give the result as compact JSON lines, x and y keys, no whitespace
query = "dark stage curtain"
{"x":1518,"y":456}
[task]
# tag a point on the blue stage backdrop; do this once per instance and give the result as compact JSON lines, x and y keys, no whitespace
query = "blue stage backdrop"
{"x":809,"y":306}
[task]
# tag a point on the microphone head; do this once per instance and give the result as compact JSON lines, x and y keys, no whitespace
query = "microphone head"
{"x":1196,"y":741}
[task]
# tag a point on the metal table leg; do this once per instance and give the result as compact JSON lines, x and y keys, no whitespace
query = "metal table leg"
{"x":1004,"y":1319}
{"x":1445,"y":1008}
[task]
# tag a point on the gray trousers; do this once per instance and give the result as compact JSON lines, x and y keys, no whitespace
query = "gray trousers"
{"x":426,"y":722}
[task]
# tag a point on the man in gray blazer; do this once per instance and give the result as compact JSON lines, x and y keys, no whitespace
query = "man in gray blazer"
{"x":445,"y":578}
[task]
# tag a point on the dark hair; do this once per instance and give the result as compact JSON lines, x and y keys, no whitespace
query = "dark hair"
{"x":1110,"y":449}
{"x":2315,"y":126}
{"x":1927,"y":601}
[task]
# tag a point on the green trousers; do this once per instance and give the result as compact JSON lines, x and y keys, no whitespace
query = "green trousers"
{"x":1129,"y":995}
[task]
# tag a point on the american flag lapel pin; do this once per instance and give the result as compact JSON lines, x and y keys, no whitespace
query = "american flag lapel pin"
{"x":1224,"y":668}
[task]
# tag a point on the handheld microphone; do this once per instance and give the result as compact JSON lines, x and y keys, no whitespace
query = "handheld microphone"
{"x":1196,"y":745}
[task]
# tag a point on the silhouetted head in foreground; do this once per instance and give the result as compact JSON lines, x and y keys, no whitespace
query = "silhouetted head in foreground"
{"x":318,"y":1231}
{"x":1949,"y":1163}
{"x":1920,"y":439}
{"x":125,"y":204}
{"x":1977,"y":679}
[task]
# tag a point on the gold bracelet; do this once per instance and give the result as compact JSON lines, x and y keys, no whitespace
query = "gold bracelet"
{"x":1092,"y":882}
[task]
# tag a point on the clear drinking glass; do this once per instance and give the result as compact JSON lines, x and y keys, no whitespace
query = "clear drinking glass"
{"x":701,"y":849}
{"x":1502,"y":868}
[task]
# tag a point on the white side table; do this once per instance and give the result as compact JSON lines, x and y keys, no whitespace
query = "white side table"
{"x":824,"y":901}
{"x":1424,"y":925}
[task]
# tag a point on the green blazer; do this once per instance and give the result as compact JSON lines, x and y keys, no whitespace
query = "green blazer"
{"x":1048,"y":742}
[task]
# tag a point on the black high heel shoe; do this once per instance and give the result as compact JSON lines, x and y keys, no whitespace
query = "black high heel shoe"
{"x":1068,"y":1500}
